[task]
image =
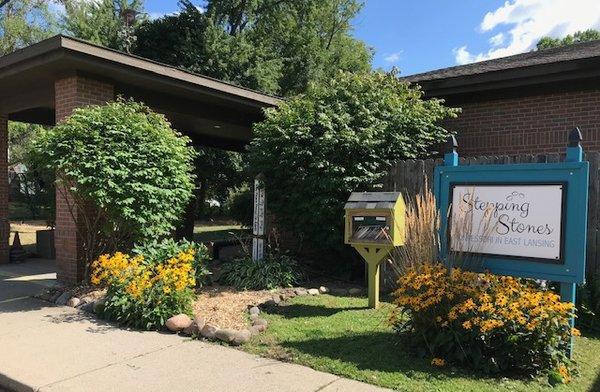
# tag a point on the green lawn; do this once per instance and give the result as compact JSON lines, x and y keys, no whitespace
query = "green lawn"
{"x":204,"y":232}
{"x":340,"y":336}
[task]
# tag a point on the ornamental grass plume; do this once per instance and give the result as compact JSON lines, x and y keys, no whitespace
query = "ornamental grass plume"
{"x":422,"y":239}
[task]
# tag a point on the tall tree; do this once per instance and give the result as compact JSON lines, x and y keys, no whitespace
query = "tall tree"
{"x":191,"y":39}
{"x":580,"y":36}
{"x":100,"y":21}
{"x":25,"y":22}
{"x":276,"y":46}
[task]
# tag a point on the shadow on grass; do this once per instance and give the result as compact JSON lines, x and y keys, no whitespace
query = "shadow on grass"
{"x":377,"y":351}
{"x":384,"y":352}
{"x":302,"y":310}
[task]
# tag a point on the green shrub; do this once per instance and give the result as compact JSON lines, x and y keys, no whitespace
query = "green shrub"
{"x":240,"y":207}
{"x":275,"y":270}
{"x":156,"y":252}
{"x":144,"y":290}
{"x":128,"y":172}
{"x":494,"y":324}
{"x":340,"y":137}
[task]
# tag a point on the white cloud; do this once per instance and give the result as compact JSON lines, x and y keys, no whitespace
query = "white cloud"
{"x":497,"y":39}
{"x":393,"y":57}
{"x":519,"y":24}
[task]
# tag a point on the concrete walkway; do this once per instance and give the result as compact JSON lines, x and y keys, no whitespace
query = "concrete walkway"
{"x":52,"y":348}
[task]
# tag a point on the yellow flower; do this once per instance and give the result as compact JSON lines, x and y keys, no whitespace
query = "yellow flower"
{"x":438,"y":362}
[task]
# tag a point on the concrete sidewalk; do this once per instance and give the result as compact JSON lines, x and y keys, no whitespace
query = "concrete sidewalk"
{"x":50,"y":348}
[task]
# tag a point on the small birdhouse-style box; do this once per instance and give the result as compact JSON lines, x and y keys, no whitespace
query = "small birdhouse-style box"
{"x":375,"y":218}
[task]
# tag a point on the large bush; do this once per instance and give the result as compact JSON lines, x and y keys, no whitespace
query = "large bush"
{"x":340,"y":137}
{"x":128,"y":172}
{"x":483,"y":321}
{"x":145,"y":289}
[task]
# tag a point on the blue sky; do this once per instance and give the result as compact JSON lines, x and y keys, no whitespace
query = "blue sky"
{"x":422,"y":35}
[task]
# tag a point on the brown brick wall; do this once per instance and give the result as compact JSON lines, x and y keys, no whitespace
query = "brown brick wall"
{"x":4,"y":223}
{"x":534,"y":124}
{"x":70,"y":93}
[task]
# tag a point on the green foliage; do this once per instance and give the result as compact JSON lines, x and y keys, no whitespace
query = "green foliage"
{"x":218,"y":171}
{"x":275,"y":270}
{"x":149,"y":313}
{"x":340,"y":137}
{"x":99,"y":22}
{"x":155,"y":252}
{"x":128,"y":164}
{"x":588,"y":303}
{"x":191,"y":40}
{"x":490,"y":323}
{"x":143,"y":291}
{"x":270,"y":45}
{"x":25,"y":22}
{"x":36,"y":184}
{"x":240,"y":207}
{"x":580,"y":36}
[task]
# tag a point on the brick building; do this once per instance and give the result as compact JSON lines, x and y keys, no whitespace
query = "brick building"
{"x":45,"y":82}
{"x":523,"y":103}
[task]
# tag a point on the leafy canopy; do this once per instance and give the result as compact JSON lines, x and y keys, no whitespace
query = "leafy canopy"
{"x":25,"y":22}
{"x":128,"y":162}
{"x":99,"y":21}
{"x":340,"y":137}
{"x":580,"y":36}
{"x":275,"y":46}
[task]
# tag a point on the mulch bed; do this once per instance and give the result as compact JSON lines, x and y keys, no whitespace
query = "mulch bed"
{"x":226,"y":307}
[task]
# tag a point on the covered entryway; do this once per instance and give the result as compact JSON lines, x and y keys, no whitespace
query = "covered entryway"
{"x":45,"y":82}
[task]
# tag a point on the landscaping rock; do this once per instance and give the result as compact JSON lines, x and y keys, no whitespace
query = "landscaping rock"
{"x":241,"y":337}
{"x":339,"y":291}
{"x":254,"y":310}
{"x":270,"y":304}
{"x":355,"y":291}
{"x":63,"y":298}
{"x":313,"y":291}
{"x":87,"y":307}
{"x":200,"y":322}
{"x":256,"y":329}
{"x":98,"y":306}
{"x":277,"y":299}
{"x":323,"y":290}
{"x":192,"y":330}
{"x":73,"y":302}
{"x":209,"y":331}
{"x":226,"y":335}
{"x":178,"y":322}
{"x":300,"y":292}
{"x":260,"y":321}
{"x":55,"y":296}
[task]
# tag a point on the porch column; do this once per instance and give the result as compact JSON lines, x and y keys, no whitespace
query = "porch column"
{"x":4,"y":223}
{"x":70,"y":93}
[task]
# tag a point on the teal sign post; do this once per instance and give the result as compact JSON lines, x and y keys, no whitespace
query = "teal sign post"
{"x":525,"y":220}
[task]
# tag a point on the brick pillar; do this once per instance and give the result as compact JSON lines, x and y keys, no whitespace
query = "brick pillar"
{"x":70,"y":93}
{"x":4,"y":223}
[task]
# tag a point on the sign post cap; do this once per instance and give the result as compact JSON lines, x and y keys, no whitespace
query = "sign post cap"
{"x":575,"y":137}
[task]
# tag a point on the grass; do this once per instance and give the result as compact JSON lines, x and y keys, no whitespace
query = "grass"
{"x":340,"y":336}
{"x":205,"y":232}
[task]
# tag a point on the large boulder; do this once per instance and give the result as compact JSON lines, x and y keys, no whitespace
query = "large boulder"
{"x":178,"y":322}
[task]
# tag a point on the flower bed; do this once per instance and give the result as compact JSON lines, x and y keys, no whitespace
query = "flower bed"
{"x":487,"y":322}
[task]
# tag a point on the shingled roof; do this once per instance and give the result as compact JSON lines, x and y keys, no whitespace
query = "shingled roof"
{"x":578,"y":51}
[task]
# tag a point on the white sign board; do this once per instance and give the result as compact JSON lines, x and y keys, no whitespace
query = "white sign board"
{"x":507,"y":220}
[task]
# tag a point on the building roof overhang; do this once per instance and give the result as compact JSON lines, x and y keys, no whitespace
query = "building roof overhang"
{"x":218,"y":112}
